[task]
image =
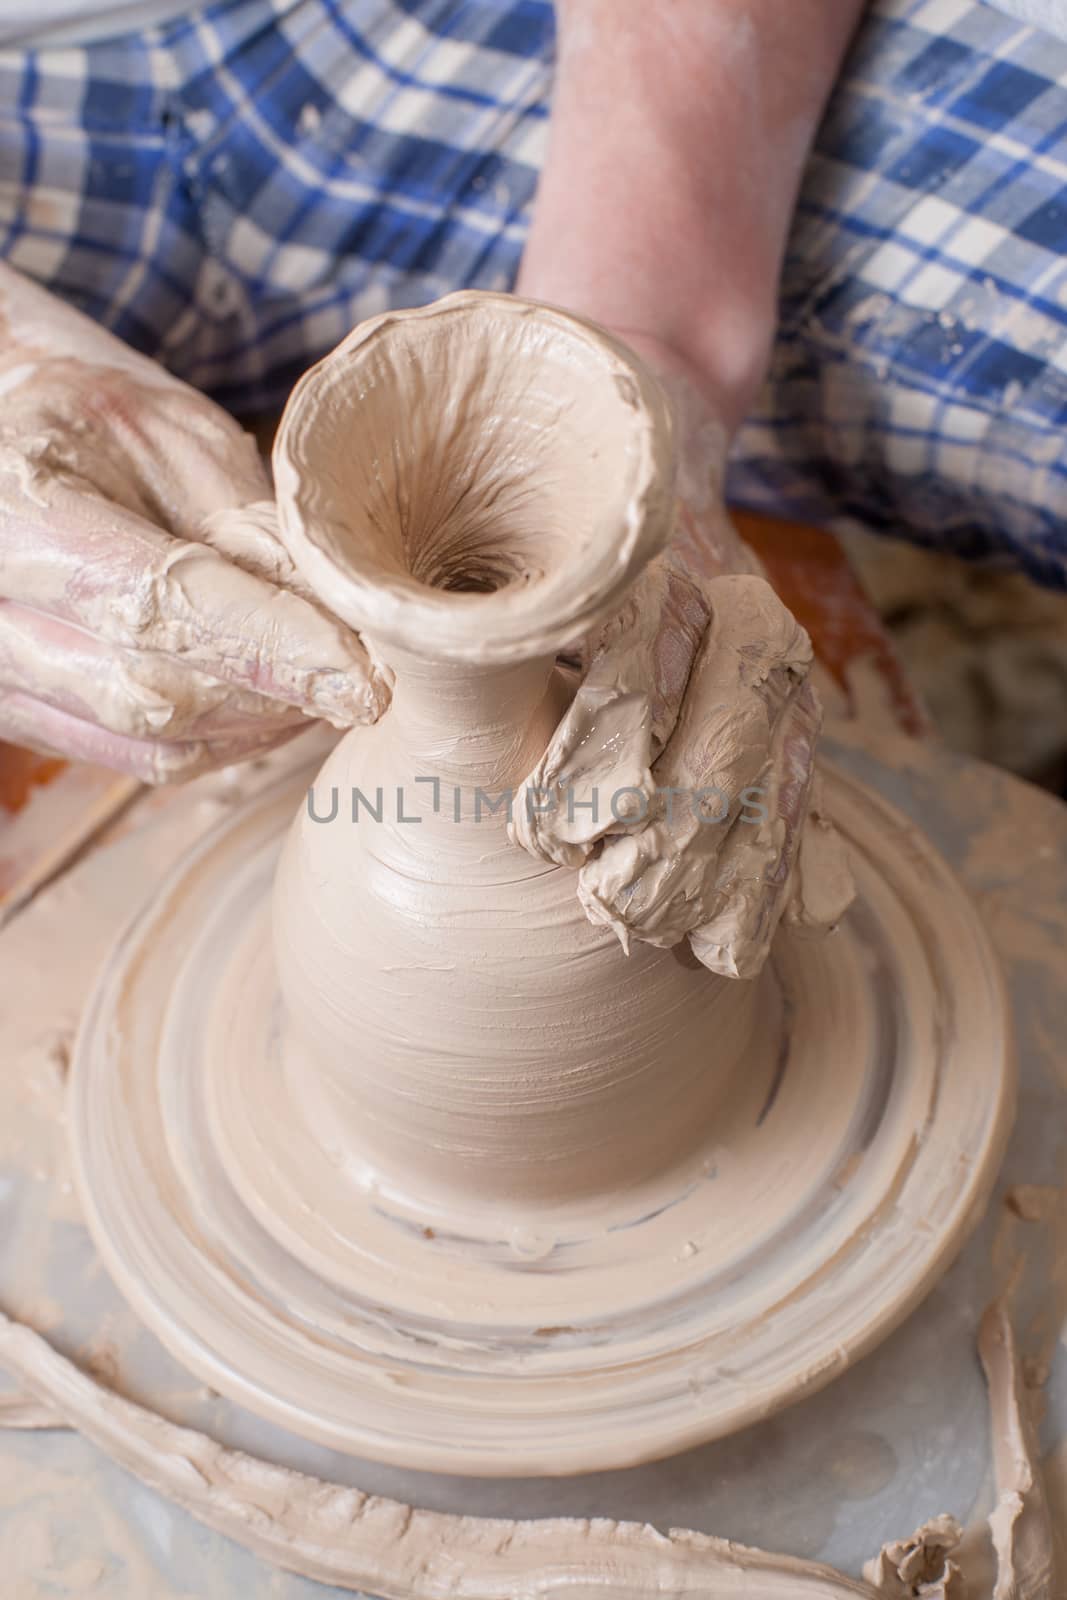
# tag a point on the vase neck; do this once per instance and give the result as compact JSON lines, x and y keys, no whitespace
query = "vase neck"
{"x":474,"y":726}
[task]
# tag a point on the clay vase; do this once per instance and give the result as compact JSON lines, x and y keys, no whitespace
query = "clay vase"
{"x":471,"y":486}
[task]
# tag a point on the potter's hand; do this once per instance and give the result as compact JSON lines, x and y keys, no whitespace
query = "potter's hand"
{"x":145,"y":623}
{"x":645,"y":220}
{"x":680,"y":780}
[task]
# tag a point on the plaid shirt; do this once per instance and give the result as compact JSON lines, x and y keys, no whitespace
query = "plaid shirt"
{"x":233,"y":190}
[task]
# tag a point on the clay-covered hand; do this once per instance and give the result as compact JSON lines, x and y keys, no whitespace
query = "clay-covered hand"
{"x":681,"y":780}
{"x":149,"y":618}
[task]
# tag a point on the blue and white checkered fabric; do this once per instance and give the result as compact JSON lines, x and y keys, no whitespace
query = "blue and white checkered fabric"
{"x":232,"y":191}
{"x":919,"y":381}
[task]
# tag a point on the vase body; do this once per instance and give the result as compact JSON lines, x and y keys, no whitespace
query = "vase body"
{"x":461,"y":1028}
{"x":473,"y":486}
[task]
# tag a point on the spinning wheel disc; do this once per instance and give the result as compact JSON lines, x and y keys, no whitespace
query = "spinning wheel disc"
{"x":844,"y":1178}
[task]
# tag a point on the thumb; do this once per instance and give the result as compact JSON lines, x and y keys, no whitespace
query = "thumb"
{"x":250,"y":537}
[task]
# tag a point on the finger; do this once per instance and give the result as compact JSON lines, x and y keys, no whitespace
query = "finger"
{"x":736,"y":766}
{"x":606,"y":729}
{"x":249,"y":537}
{"x":754,"y":869}
{"x":138,"y":694}
{"x":129,"y":584}
{"x":31,"y":722}
{"x":596,"y":773}
{"x":822,"y":886}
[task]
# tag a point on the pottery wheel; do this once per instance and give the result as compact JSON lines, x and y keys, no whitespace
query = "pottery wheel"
{"x":842,"y":1181}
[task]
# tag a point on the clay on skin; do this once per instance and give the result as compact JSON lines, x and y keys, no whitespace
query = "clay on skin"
{"x":755,"y":651}
{"x":118,"y":480}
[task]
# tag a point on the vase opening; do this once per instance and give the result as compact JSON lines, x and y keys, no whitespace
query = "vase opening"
{"x":481,"y":479}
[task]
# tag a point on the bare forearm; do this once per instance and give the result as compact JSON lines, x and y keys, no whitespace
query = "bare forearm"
{"x":679,"y":133}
